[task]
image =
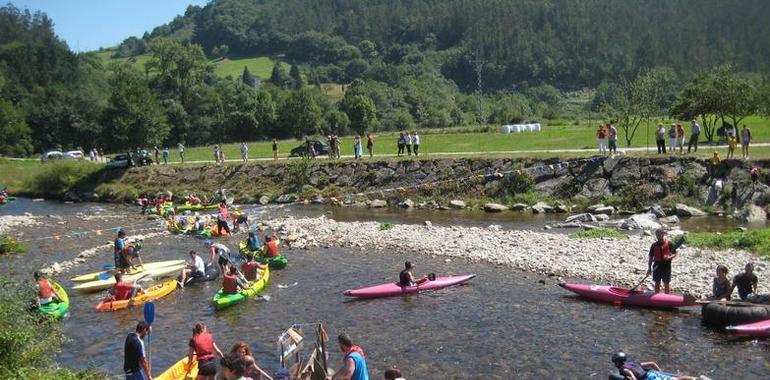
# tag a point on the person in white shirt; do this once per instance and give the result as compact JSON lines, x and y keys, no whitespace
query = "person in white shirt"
{"x":181,"y":151}
{"x":244,"y":152}
{"x":195,"y":268}
{"x":694,"y":134}
{"x":408,"y":140}
{"x":416,"y":143}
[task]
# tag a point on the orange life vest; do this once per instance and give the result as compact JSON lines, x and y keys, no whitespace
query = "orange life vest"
{"x":203,"y":345}
{"x":230,"y":284}
{"x":272,"y":249}
{"x":661,"y":252}
{"x":46,"y":290}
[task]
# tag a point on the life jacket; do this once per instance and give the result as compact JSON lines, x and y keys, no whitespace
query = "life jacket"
{"x":203,"y":344}
{"x":272,"y":249}
{"x":661,"y":252}
{"x":403,"y":278}
{"x":46,"y":290}
{"x":230,"y":284}
{"x":250,"y":270}
{"x":122,"y":291}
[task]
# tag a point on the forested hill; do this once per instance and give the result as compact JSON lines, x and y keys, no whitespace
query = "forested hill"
{"x":567,"y":43}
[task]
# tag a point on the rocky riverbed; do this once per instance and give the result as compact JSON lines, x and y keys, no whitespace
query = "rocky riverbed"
{"x":608,"y":260}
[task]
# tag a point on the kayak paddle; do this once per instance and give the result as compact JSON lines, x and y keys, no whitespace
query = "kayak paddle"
{"x":149,"y":317}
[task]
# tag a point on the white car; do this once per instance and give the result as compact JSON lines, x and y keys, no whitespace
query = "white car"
{"x":52,"y":155}
{"x":74,"y":155}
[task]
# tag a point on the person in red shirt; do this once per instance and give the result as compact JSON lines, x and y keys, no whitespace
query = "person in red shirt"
{"x":123,"y":290}
{"x":46,"y":293}
{"x":250,"y":269}
{"x":601,"y":134}
{"x":270,"y":249}
{"x":203,"y":347}
{"x":232,"y":283}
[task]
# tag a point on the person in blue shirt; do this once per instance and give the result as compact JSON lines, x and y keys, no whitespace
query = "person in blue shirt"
{"x":354,"y":367}
{"x":253,"y":243}
{"x":165,"y":155}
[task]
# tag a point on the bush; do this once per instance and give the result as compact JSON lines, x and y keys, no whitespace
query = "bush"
{"x":299,"y":171}
{"x":516,"y":183}
{"x":686,"y":185}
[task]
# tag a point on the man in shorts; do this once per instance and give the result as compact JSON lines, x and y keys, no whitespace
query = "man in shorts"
{"x":661,"y":253}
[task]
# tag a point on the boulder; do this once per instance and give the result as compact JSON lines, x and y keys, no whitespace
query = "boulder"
{"x":673,"y":219}
{"x":427,"y":223}
{"x":494,"y":207}
{"x":682,"y":209}
{"x":263,"y":200}
{"x":406,"y":203}
{"x":317,"y":200}
{"x":601,"y":217}
{"x":752,"y":214}
{"x":606,"y":210}
{"x":287,"y":198}
{"x":519,"y":207}
{"x":658,"y":211}
{"x":378,"y":203}
{"x":562,"y":209}
{"x":456,"y":203}
{"x":647,"y":221}
{"x":541,"y":208}
{"x":582,"y":218}
{"x":72,"y":196}
{"x":592,"y":208}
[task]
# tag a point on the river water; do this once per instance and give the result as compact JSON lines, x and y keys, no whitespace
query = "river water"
{"x":504,"y":324}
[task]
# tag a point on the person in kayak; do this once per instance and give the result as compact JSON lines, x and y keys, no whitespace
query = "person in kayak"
{"x":722,"y":287}
{"x":746,"y":282}
{"x":45,"y":291}
{"x":659,"y":264}
{"x":193,"y":199}
{"x":250,"y":267}
{"x":251,"y":369}
{"x":135,"y":364}
{"x":354,"y":367}
{"x":195,"y":268}
{"x":270,"y":249}
{"x":252,"y":242}
{"x":232,"y":283}
{"x":123,"y":290}
{"x":642,"y":370}
{"x":405,"y":278}
{"x":221,"y":252}
{"x":203,"y":347}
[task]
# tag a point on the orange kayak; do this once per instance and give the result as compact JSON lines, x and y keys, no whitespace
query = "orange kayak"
{"x":151,"y":294}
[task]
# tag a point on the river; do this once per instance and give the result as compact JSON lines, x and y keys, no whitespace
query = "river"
{"x":504,"y":324}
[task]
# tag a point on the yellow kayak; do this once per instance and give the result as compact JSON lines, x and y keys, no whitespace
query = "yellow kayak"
{"x":178,"y":371}
{"x":158,"y":264}
{"x":92,"y":286}
{"x":151,"y":294}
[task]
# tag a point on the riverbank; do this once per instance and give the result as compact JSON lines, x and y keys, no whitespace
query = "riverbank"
{"x":609,"y":260}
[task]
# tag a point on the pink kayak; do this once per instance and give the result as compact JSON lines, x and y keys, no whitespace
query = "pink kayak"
{"x":627,"y":297}
{"x":759,"y":329}
{"x":394,"y":289}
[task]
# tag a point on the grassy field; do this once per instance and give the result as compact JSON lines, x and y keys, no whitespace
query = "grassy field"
{"x":260,"y":66}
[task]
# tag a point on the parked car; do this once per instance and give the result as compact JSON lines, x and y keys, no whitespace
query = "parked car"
{"x":51,"y":155}
{"x":320,"y":149}
{"x":122,"y":160}
{"x":73,"y":155}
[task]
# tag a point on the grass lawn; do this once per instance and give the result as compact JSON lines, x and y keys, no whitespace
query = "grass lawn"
{"x":17,"y":173}
{"x":259,"y":66}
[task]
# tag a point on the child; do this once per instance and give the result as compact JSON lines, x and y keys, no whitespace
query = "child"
{"x":722,"y":287}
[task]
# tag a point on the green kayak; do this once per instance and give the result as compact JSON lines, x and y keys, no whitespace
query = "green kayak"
{"x":205,"y":234}
{"x":56,"y":309}
{"x":278,"y":262}
{"x":6,"y":200}
{"x":222,"y":300}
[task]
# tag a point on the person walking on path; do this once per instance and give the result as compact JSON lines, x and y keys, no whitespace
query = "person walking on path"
{"x":601,"y":134}
{"x":416,"y":143}
{"x":244,"y":152}
{"x":181,"y":151}
{"x":370,"y":145}
{"x":165,"y":155}
{"x":221,"y":155}
{"x":660,"y":138}
{"x":275,"y":149}
{"x":661,"y":253}
{"x":745,"y":140}
{"x":401,"y":143}
{"x":672,"y":139}
{"x":680,"y":138}
{"x":156,"y":153}
{"x":694,"y":135}
{"x":612,"y":138}
{"x":732,"y":143}
{"x":408,"y":142}
{"x":354,"y":361}
{"x":357,"y":149}
{"x":135,"y":365}
{"x":216,"y":154}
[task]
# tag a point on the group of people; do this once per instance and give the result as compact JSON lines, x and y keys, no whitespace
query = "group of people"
{"x":676,"y":139}
{"x":409,"y":143}
{"x":608,"y":139}
{"x":158,"y":153}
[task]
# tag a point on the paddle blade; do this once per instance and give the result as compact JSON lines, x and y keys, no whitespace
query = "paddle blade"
{"x":149,"y":312}
{"x":104,"y":276}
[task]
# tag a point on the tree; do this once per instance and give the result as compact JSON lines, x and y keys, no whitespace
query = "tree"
{"x":279,"y":76}
{"x":337,"y":122}
{"x":297,"y":81}
{"x":177,"y":70}
{"x":361,"y":112}
{"x":220,"y":51}
{"x":246,"y":77}
{"x":629,"y":102}
{"x":15,"y":136}
{"x":300,"y":115}
{"x":134,"y":117}
{"x":738,"y":96}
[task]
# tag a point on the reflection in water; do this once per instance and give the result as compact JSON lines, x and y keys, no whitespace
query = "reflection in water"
{"x":502,"y":325}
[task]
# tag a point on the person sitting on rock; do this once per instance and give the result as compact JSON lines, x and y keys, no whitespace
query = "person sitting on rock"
{"x":642,"y":370}
{"x":722,"y":287}
{"x":746,"y":282}
{"x":659,"y":264}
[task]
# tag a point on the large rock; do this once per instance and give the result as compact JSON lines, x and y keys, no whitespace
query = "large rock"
{"x":673,"y":219}
{"x":378,"y":203}
{"x":682,"y":209}
{"x":647,"y":221}
{"x":456,"y":203}
{"x":406,"y":203}
{"x":596,"y":188}
{"x":593,"y":208}
{"x":541,"y":208}
{"x":658,"y":211}
{"x":494,"y":207}
{"x":606,"y":210}
{"x":287,"y":198}
{"x":263,"y":200}
{"x":562,"y":209}
{"x":601,"y":217}
{"x":72,"y":196}
{"x":519,"y":207}
{"x":582,"y":218}
{"x":752,"y":214}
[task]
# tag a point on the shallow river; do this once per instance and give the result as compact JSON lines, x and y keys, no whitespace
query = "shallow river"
{"x":504,"y":324}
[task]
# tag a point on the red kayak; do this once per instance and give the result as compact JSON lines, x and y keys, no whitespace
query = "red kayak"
{"x":394,"y":289}
{"x":758,"y":329}
{"x":622,"y":296}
